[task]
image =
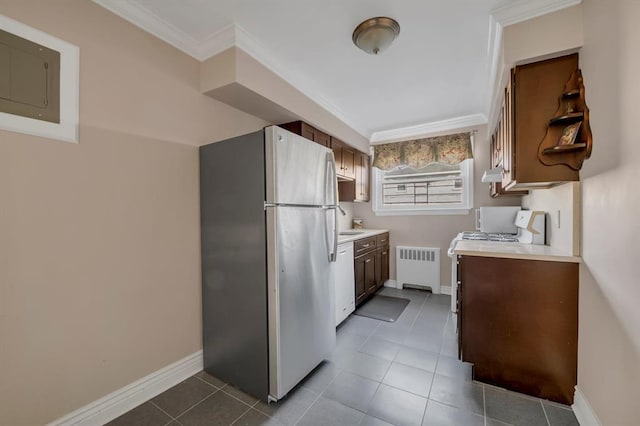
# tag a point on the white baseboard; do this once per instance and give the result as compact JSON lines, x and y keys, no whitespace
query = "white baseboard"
{"x":583,"y":411}
{"x":445,"y":289}
{"x":391,"y":283}
{"x":124,"y":399}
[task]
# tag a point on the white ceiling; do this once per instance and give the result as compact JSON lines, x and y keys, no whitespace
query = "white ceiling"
{"x":441,"y":67}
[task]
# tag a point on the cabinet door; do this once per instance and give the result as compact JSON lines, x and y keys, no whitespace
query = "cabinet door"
{"x":349,"y":162}
{"x":360,"y":277}
{"x":307,"y":131}
{"x":384,"y":266}
{"x":370,"y":272}
{"x":322,"y":138}
{"x":362,"y":178}
{"x":337,"y":146}
{"x":507,"y":145}
{"x":378,"y":265}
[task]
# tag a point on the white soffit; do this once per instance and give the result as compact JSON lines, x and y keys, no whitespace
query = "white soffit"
{"x":442,"y":71}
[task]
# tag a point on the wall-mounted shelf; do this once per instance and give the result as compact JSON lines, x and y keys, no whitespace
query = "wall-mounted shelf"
{"x":566,"y":118}
{"x":556,"y":147}
{"x":560,"y":149}
{"x":571,"y":94}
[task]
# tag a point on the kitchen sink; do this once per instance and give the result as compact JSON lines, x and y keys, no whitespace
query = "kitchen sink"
{"x":351,"y":232}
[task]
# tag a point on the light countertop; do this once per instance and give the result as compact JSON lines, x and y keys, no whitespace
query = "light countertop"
{"x":514,"y":251}
{"x":362,"y":233}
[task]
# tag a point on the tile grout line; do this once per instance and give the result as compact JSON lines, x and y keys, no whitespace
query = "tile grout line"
{"x":194,"y":405}
{"x":160,"y":408}
{"x":213,"y":386}
{"x":312,"y":404}
{"x":238,"y":399}
{"x":545,"y":413}
{"x":240,"y":416}
{"x":484,"y":405}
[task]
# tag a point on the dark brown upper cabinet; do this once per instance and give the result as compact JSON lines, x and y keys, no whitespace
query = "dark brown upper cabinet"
{"x":357,"y":189}
{"x":345,"y":159}
{"x":306,"y":131}
{"x":29,"y":79}
{"x":530,"y":101}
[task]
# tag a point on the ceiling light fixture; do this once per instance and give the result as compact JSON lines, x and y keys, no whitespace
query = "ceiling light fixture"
{"x":376,"y":34}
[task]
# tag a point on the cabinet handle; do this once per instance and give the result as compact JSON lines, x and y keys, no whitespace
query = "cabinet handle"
{"x":367,"y":261}
{"x":384,"y":252}
{"x":342,"y":252}
{"x":365,"y":246}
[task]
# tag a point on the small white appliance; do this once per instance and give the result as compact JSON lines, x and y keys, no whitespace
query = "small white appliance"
{"x":502,"y":225}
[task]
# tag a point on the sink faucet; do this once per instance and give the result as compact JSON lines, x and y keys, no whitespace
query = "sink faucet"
{"x":341,"y":211}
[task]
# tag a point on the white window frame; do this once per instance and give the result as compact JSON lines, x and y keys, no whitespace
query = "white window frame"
{"x":466,"y":173}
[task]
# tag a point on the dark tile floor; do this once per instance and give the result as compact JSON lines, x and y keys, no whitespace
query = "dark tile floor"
{"x":402,"y":373}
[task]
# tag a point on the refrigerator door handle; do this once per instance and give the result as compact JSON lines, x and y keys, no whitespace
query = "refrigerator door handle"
{"x":331,"y":195}
{"x":334,"y":254}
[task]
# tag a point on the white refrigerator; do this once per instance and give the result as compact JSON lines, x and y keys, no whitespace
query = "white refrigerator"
{"x":269,"y":242}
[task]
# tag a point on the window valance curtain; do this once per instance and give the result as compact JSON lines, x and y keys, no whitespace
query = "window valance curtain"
{"x":450,"y":149}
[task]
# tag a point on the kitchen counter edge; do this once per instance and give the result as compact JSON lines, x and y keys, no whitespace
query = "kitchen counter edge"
{"x":514,"y":251}
{"x":366,"y":233}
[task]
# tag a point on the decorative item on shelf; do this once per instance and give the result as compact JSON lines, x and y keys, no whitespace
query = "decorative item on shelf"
{"x":568,"y":139}
{"x":569,"y":134}
{"x":357,"y":223}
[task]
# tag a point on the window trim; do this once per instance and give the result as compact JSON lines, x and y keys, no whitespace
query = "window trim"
{"x":466,"y":206}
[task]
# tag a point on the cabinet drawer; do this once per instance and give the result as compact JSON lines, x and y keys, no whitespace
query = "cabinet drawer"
{"x":382,"y":240}
{"x":364,"y":245}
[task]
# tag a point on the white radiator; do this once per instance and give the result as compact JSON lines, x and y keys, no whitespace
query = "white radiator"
{"x":418,"y":267}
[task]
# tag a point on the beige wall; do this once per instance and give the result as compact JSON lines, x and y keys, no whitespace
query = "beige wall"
{"x":563,"y":212}
{"x":536,"y":38}
{"x":436,"y":230}
{"x":99,"y":242}
{"x":609,"y":336}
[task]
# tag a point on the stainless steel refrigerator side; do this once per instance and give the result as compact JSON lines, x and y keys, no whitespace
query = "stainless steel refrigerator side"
{"x":234,"y":271}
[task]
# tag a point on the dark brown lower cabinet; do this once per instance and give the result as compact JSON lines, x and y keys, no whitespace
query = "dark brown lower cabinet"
{"x":382,"y":266}
{"x":371,"y":265}
{"x":365,"y":278}
{"x":519,"y":324}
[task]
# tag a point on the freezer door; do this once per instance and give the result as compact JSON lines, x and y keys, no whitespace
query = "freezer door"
{"x":298,"y":171}
{"x":301,"y":294}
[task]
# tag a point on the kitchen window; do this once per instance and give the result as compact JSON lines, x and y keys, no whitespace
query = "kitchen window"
{"x":426,"y":176}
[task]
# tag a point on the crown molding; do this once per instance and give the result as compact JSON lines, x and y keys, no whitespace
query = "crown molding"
{"x":149,"y":22}
{"x":217,"y":43}
{"x":421,"y":130}
{"x":523,"y":10}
